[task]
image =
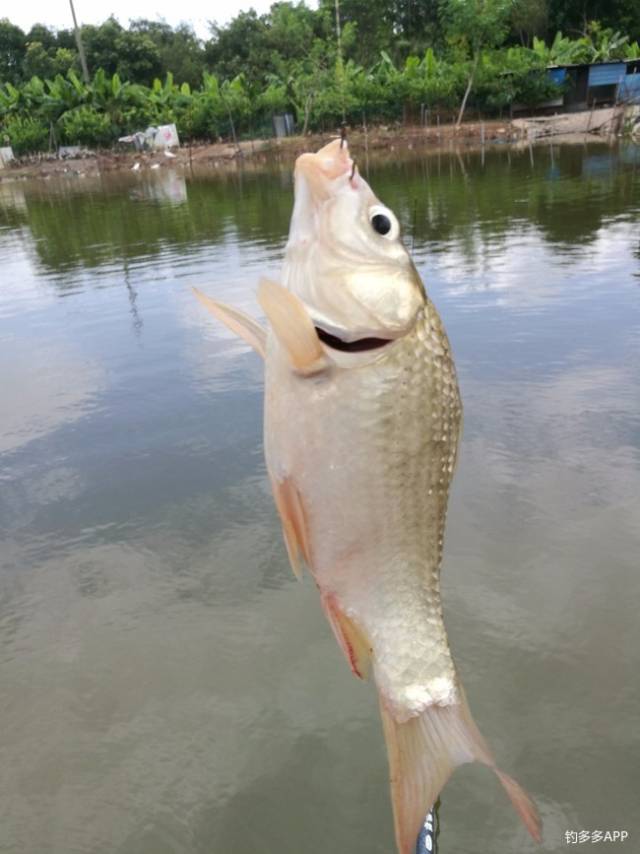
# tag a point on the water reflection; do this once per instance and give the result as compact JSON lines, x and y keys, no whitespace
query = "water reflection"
{"x":167,"y":685}
{"x":100,"y":221}
{"x":167,"y":188}
{"x":46,"y":387}
{"x":137,"y":321}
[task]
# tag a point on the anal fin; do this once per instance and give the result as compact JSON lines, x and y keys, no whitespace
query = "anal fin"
{"x":294,"y":522}
{"x":423,"y":753}
{"x":237,"y":321}
{"x":350,"y":637}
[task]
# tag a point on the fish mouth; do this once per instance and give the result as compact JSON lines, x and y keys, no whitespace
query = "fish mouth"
{"x":360,"y":345}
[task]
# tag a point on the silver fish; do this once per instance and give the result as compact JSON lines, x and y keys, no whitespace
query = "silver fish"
{"x":361,"y":430}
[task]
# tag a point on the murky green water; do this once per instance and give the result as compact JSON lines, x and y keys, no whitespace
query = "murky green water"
{"x":166,"y":685}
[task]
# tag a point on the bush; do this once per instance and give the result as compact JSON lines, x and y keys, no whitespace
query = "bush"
{"x":25,"y":134}
{"x":86,"y":126}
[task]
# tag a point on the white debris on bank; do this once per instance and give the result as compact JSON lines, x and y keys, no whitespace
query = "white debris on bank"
{"x":603,"y":121}
{"x":153,"y":138}
{"x":6,"y":156}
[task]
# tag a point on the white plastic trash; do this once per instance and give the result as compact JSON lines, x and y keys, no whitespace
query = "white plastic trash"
{"x":6,"y":155}
{"x":166,"y":137}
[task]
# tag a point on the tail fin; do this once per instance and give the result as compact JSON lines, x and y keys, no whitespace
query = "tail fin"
{"x":423,"y":753}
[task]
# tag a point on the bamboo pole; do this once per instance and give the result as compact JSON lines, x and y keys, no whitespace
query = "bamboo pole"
{"x":78,"y":35}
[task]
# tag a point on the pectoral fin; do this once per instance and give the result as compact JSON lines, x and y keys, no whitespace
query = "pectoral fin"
{"x":423,"y":753}
{"x":294,"y":522}
{"x":292,"y":327}
{"x":350,"y":637}
{"x":237,"y":321}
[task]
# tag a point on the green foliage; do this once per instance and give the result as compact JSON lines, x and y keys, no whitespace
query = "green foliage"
{"x":397,"y":56}
{"x":606,"y":43}
{"x":274,"y":98}
{"x":86,"y":126}
{"x":477,"y":24}
{"x":433,"y":81}
{"x":632,"y":51}
{"x":529,"y":18}
{"x":179,"y":50}
{"x":24,"y":134}
{"x":516,"y":75}
{"x":37,"y":62}
{"x":240,"y":46}
{"x":573,"y":16}
{"x":563,"y":50}
{"x":12,"y":50}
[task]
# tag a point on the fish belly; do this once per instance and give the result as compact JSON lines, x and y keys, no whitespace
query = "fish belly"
{"x":371,"y":451}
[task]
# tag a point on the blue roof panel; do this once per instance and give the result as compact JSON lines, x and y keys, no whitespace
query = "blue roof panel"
{"x":608,"y":74}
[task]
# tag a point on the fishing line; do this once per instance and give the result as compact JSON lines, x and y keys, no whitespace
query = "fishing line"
{"x":413,"y":223}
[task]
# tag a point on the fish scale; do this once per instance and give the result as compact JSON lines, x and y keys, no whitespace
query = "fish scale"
{"x":381,"y":557}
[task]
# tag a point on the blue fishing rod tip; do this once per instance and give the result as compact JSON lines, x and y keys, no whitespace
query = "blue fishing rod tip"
{"x":427,"y":839}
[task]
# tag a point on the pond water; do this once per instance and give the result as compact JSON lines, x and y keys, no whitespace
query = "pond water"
{"x":166,"y":684}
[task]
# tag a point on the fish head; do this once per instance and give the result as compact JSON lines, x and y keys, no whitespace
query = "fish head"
{"x":345,"y":258}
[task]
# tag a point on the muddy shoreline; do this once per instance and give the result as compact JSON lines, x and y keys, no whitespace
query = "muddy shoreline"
{"x":375,"y":144}
{"x":370,"y":145}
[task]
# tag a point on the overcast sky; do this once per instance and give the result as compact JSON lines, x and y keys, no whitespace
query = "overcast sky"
{"x":56,"y":13}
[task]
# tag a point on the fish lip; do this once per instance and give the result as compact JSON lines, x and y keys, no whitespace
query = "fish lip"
{"x":330,"y":163}
{"x":360,"y":345}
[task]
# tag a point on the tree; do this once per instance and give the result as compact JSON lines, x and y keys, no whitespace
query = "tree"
{"x":179,"y":49}
{"x":399,"y":27}
{"x":573,"y":16}
{"x":290,"y":30}
{"x":476,"y":24}
{"x":66,"y":40}
{"x":99,"y":45}
{"x":130,"y":53}
{"x":529,"y":18}
{"x":138,"y":58}
{"x":37,"y":62}
{"x":46,"y":36}
{"x":260,"y":46}
{"x":374,"y":24}
{"x":240,"y":48}
{"x":417,"y":25}
{"x":13,"y":45}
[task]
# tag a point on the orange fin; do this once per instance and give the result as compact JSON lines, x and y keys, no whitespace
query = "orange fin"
{"x":294,"y":522}
{"x":292,"y":327}
{"x":238,"y":322}
{"x":350,"y":637}
{"x":423,"y":753}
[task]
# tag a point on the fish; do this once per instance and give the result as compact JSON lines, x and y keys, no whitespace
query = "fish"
{"x":362,"y":422}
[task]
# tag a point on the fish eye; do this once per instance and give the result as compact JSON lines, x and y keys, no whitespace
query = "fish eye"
{"x":383,"y":222}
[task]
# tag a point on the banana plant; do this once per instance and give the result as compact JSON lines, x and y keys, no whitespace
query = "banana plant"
{"x":609,"y":45}
{"x":116,"y":98}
